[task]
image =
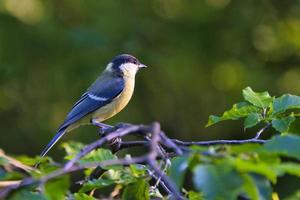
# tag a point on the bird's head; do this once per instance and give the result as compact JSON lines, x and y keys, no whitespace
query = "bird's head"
{"x":125,"y":64}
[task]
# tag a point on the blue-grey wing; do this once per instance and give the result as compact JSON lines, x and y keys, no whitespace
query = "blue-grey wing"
{"x":101,"y":92}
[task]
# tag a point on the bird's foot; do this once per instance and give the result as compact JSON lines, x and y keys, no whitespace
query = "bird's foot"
{"x":109,"y":129}
{"x":103,"y":128}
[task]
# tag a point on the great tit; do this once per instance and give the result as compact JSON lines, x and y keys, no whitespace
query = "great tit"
{"x":107,"y":96}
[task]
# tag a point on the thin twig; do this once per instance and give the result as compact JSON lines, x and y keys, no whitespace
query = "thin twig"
{"x":169,"y":184}
{"x":100,"y":142}
{"x":160,"y":147}
{"x":262,"y":130}
{"x":151,"y":162}
{"x":162,"y":184}
{"x":219,"y":142}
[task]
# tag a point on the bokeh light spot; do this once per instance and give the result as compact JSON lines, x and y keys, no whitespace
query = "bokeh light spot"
{"x":167,"y":9}
{"x":27,"y":11}
{"x":218,"y":3}
{"x":289,"y":81}
{"x":228,"y":76}
{"x":264,"y":38}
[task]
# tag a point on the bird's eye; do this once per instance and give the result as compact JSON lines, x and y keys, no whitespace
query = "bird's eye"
{"x":135,"y":62}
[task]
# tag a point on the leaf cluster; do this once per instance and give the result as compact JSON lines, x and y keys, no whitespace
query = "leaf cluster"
{"x":217,"y":172}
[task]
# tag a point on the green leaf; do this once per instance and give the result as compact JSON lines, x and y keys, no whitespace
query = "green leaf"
{"x":287,"y":145}
{"x":178,"y":169}
{"x":286,"y":102}
{"x":56,"y":189}
{"x":237,"y":111}
{"x":295,"y":127}
{"x":252,"y":119}
{"x":217,"y":181}
{"x":82,"y":196}
{"x":255,"y":167}
{"x":136,"y":191}
{"x":26,"y":194}
{"x":99,"y":155}
{"x":263,"y":185}
{"x":138,"y":170}
{"x":289,"y":168}
{"x":261,"y":100}
{"x":96,"y":184}
{"x":72,"y":149}
{"x":119,"y":176}
{"x":26,"y":160}
{"x":282,"y":125}
{"x":195,"y":196}
{"x":245,"y":148}
{"x":12,"y":175}
{"x":155,"y":193}
{"x":250,"y":187}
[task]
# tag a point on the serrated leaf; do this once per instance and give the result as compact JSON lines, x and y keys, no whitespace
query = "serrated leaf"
{"x":252,"y":119}
{"x":82,"y":196}
{"x":237,"y":111}
{"x":211,"y":179}
{"x":261,"y":100}
{"x":287,"y":145}
{"x":56,"y":189}
{"x":96,"y":184}
{"x":282,"y":125}
{"x":286,"y":102}
{"x":136,"y":191}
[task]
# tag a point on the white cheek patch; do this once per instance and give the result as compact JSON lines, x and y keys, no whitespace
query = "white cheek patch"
{"x":109,"y":67}
{"x":129,"y":68}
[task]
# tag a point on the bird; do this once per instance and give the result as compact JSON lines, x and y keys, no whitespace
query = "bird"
{"x":106,"y":97}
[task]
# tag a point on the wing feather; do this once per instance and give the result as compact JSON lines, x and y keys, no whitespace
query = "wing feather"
{"x":102,"y":92}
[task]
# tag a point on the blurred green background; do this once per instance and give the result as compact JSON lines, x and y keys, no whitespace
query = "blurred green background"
{"x":200,"y":54}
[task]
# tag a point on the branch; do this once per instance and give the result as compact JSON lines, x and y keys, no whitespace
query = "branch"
{"x":262,"y":130}
{"x":219,"y":142}
{"x":160,"y":147}
{"x":100,"y":142}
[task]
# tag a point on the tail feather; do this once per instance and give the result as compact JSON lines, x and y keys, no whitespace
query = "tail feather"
{"x":58,"y":135}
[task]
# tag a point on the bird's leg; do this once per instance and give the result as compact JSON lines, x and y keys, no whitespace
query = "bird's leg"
{"x":103,"y":127}
{"x":122,"y":125}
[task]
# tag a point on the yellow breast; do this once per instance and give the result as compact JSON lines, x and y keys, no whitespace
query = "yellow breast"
{"x":117,"y":104}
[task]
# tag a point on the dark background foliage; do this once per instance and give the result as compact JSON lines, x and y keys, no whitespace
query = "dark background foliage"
{"x":200,"y":55}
